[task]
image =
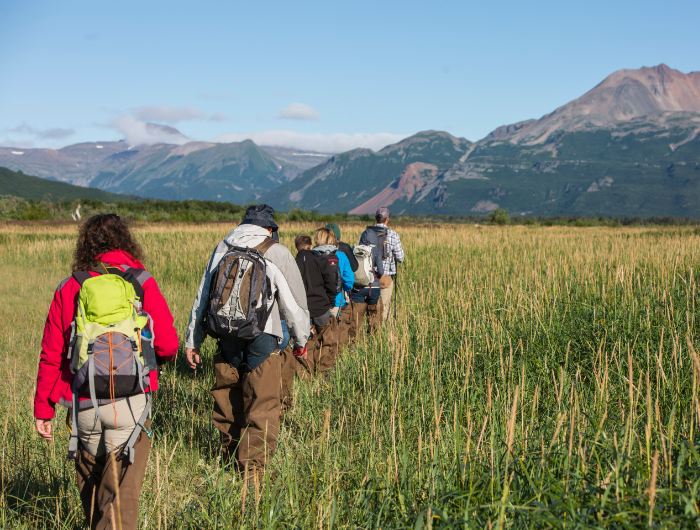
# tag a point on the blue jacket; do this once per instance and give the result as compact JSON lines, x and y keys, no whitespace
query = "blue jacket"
{"x":347,"y":276}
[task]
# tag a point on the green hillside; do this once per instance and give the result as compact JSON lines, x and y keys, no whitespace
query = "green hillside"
{"x":348,"y":179}
{"x":645,"y":167}
{"x":625,"y":171}
{"x":38,"y":189}
{"x":236,"y":172}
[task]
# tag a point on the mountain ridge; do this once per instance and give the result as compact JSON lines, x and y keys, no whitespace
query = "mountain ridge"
{"x":629,"y":146}
{"x":620,"y":97}
{"x":237,"y":172}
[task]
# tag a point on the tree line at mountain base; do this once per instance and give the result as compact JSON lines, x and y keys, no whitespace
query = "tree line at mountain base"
{"x":193,"y":211}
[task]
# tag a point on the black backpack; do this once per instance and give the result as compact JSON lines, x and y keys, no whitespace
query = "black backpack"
{"x":239,"y":294}
{"x":382,"y":232}
{"x":332,"y":259}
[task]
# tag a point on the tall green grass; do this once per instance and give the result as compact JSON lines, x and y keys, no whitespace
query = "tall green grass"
{"x":533,"y":378}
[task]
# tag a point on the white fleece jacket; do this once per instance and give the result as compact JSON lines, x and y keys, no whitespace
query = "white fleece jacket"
{"x":289,"y":295}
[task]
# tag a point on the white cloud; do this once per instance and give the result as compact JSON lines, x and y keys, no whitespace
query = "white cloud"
{"x":55,"y":133}
{"x":219,"y":116}
{"x":137,"y":132}
{"x":168,"y":114}
{"x":23,"y":128}
{"x":325,"y":143}
{"x":298,"y":111}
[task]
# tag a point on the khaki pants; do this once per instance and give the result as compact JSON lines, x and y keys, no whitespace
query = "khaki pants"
{"x":321,"y":350}
{"x":98,"y":437}
{"x":357,"y":315}
{"x":98,"y":487}
{"x":247,"y":410}
{"x":386,"y":298}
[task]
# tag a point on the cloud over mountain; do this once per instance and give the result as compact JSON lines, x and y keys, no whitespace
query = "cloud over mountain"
{"x":169,"y":114}
{"x":298,"y":111}
{"x":54,"y":133}
{"x":325,"y":143}
{"x":137,"y":132}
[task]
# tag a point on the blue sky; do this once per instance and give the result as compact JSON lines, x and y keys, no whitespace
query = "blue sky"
{"x":316,"y":75}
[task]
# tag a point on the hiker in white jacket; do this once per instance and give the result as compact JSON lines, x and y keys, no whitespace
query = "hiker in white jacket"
{"x":247,"y":390}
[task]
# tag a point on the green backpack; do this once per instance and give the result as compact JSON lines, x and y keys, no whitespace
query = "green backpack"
{"x":110,"y":354}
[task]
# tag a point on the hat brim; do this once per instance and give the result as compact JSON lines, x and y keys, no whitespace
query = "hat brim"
{"x":259,"y":222}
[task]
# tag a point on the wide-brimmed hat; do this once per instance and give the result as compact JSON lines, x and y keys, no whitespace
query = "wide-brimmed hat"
{"x":260,"y":215}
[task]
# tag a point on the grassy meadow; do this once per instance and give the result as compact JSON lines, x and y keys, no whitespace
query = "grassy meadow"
{"x":535,"y":377}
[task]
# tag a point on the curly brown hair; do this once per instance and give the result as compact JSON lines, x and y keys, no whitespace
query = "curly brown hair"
{"x":102,"y":233}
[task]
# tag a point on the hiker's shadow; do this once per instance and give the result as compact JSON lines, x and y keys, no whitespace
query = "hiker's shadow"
{"x":27,"y":491}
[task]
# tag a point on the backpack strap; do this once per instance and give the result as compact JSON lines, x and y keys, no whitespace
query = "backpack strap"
{"x":81,"y":276}
{"x":136,"y":277}
{"x":265,"y":245}
{"x":140,"y":275}
{"x":129,"y":448}
{"x":73,"y":443}
{"x":262,"y":248}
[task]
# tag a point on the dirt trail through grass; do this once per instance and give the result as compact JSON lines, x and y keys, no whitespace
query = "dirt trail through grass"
{"x":534,"y":377}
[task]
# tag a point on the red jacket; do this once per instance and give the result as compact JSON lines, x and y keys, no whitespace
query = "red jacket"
{"x":55,"y":378}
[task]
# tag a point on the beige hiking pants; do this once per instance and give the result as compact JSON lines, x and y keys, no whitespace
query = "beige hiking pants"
{"x":386,"y":299}
{"x":119,"y":422}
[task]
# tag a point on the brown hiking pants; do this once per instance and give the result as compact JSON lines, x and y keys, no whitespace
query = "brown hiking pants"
{"x":357,"y":315}
{"x":109,"y":499}
{"x":321,"y":350}
{"x":247,"y":410}
{"x":288,"y":368}
{"x":344,"y":323}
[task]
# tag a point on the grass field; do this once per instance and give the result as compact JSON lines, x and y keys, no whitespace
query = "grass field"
{"x":536,"y":377}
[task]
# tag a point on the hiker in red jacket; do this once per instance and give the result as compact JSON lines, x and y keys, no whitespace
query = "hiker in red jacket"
{"x":105,"y":245}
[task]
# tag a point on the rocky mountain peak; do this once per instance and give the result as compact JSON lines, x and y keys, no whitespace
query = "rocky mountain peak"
{"x":622,"y":96}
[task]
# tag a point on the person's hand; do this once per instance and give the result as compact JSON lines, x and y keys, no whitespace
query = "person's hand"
{"x":43,"y":427}
{"x":192,"y":357}
{"x":300,"y":352}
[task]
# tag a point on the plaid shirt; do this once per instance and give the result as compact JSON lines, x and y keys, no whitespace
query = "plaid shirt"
{"x":395,"y":251}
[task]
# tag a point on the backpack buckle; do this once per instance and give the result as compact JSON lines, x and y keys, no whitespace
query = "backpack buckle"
{"x":134,"y":346}
{"x":91,"y":347}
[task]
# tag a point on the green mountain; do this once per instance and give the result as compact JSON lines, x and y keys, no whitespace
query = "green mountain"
{"x":350,"y":179}
{"x":235,"y":172}
{"x":628,"y":147}
{"x":648,"y":166}
{"x":38,"y":189}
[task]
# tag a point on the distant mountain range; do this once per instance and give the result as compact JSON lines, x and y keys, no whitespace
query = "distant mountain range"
{"x":630,"y":146}
{"x":235,"y":172}
{"x":359,"y":180}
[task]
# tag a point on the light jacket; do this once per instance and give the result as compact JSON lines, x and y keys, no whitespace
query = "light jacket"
{"x":288,"y":295}
{"x":55,"y":379}
{"x":348,"y":277}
